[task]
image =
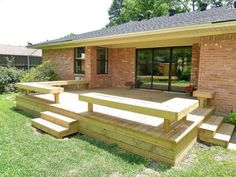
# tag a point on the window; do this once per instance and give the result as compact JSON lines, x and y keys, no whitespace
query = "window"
{"x":102,"y":61}
{"x":79,"y":60}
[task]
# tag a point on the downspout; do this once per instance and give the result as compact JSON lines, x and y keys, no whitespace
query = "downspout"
{"x":28,"y":58}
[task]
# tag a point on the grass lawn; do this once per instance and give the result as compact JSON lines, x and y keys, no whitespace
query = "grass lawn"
{"x":27,"y":152}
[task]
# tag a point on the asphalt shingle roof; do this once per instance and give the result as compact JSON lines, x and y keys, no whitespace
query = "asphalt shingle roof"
{"x":213,"y":15}
{"x":19,"y":50}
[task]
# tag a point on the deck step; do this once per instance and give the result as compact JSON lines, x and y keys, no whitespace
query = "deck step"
{"x":224,"y":133}
{"x":49,"y":127}
{"x":210,"y":126}
{"x":200,"y":114}
{"x":232,"y":143}
{"x":58,"y":118}
{"x":222,"y":136}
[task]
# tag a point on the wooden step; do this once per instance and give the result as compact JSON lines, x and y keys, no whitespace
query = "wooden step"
{"x":224,"y":133}
{"x":200,"y":114}
{"x":49,"y":127}
{"x":222,"y":136}
{"x":232,"y":143}
{"x":210,"y":126}
{"x":58,"y":118}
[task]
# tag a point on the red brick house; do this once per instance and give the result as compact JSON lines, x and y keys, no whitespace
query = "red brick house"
{"x":167,"y":53}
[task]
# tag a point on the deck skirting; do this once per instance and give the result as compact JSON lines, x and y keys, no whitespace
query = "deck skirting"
{"x":138,"y":138}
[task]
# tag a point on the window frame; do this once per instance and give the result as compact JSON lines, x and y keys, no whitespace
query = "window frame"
{"x":106,"y":61}
{"x":78,"y":58}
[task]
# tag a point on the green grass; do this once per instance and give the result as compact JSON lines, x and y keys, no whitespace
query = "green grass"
{"x":27,"y":152}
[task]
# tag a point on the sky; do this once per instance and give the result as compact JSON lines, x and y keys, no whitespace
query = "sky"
{"x":34,"y":21}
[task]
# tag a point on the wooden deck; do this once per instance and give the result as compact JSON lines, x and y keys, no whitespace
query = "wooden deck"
{"x":137,"y":133}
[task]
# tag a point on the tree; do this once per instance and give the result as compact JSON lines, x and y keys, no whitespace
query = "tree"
{"x":122,"y":11}
{"x":114,"y":13}
{"x":213,"y":3}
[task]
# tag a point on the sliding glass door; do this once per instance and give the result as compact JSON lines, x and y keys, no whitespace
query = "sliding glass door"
{"x":163,"y":68}
{"x":161,"y":65}
{"x":144,"y":68}
{"x":181,"y":69}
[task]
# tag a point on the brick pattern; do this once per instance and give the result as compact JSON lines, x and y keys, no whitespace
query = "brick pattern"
{"x":96,"y":80}
{"x":64,"y":62}
{"x":195,"y":64}
{"x":123,"y":66}
{"x":217,"y":70}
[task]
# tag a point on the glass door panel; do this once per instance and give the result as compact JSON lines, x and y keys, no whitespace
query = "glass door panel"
{"x":144,"y":68}
{"x":161,"y":64}
{"x":181,"y":68}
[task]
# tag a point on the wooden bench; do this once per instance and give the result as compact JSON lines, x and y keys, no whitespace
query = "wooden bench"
{"x":203,"y":96}
{"x":51,"y":87}
{"x":172,"y":110}
{"x":67,"y":82}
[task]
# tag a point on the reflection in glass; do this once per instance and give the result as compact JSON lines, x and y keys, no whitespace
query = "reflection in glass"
{"x":164,"y":68}
{"x":161,"y":64}
{"x":144,"y":68}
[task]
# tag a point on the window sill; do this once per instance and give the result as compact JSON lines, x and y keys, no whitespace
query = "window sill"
{"x":78,"y":74}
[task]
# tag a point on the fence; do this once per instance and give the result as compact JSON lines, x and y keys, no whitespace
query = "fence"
{"x":21,"y":62}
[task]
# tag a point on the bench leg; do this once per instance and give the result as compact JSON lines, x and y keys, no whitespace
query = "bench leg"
{"x":203,"y":102}
{"x":26,"y":92}
{"x":90,"y":107}
{"x":166,"y":125}
{"x":56,"y":98}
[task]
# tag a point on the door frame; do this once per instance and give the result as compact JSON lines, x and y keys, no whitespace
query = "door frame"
{"x":170,"y":66}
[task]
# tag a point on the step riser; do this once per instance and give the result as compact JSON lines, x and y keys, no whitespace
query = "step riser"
{"x":64,"y":112}
{"x":206,"y":134}
{"x":214,"y":141}
{"x":210,"y":131}
{"x":210,"y":113}
{"x":54,"y":133}
{"x":55,"y":120}
{"x":46,"y":129}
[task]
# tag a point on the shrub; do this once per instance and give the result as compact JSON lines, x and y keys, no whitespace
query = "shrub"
{"x":43,"y":72}
{"x":231,"y":118}
{"x":185,"y":75}
{"x":8,"y":77}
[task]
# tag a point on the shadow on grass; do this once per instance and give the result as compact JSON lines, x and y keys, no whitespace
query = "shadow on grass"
{"x":23,"y":113}
{"x":125,"y":155}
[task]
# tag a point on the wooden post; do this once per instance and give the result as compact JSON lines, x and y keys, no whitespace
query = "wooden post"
{"x":26,"y":92}
{"x":56,"y":98}
{"x":90,"y":107}
{"x":166,"y":125}
{"x":203,"y":102}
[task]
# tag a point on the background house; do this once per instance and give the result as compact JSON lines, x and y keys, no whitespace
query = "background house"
{"x":20,"y":56}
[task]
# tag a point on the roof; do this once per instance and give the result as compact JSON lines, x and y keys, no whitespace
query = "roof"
{"x":19,"y":50}
{"x":214,"y":15}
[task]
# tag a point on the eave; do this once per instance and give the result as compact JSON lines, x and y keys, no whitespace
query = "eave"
{"x":186,"y":34}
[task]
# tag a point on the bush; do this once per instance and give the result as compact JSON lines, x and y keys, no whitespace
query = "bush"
{"x":43,"y":72}
{"x":8,"y":77}
{"x":185,"y":75}
{"x":231,"y":118}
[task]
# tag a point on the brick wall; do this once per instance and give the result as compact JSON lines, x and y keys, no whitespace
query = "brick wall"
{"x":217,"y":70}
{"x":64,"y":62}
{"x":96,"y":80}
{"x":195,"y":64}
{"x":122,"y":66}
